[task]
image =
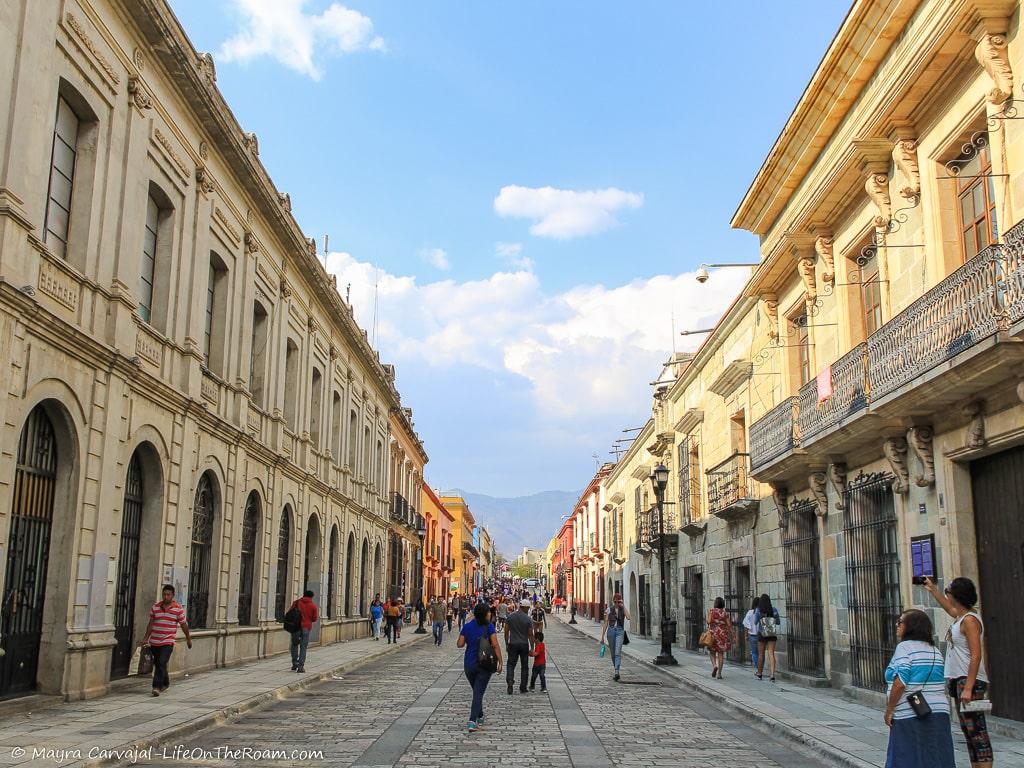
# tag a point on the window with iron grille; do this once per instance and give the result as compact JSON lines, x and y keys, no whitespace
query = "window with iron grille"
{"x":801,"y":557}
{"x":738,"y":599}
{"x":284,"y":536}
{"x":872,"y":576}
{"x":332,"y":558}
{"x":203,"y":513}
{"x":247,"y":565}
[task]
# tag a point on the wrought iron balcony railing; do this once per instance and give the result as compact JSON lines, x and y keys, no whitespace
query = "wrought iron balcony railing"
{"x":399,"y":507}
{"x":469,"y":549}
{"x":731,"y":491}
{"x":849,"y":395}
{"x":774,"y":434}
{"x":956,"y":314}
{"x":1012,"y":293}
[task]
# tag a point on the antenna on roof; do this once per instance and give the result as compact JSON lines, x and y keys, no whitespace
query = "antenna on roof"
{"x":327,"y":240}
{"x":376,"y":280}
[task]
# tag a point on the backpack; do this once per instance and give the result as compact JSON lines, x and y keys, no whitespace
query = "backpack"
{"x":486,"y":658}
{"x":768,"y":626}
{"x":293,"y":619}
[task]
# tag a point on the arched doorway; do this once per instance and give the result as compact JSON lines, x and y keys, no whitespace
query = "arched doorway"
{"x":312,"y":564}
{"x":35,"y":486}
{"x":633,"y":605}
{"x":128,"y":568}
{"x":350,"y":560}
{"x":284,"y":540}
{"x":247,"y":562}
{"x":378,"y":570}
{"x":364,"y":585}
{"x":332,"y":579}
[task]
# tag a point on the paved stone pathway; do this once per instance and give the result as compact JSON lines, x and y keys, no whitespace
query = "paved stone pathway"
{"x":410,"y":709}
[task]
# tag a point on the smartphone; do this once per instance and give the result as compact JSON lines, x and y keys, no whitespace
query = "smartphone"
{"x":978,"y":705}
{"x":917,"y":580}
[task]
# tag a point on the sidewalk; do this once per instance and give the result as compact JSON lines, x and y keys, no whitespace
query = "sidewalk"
{"x":848,"y":733}
{"x":133,"y":719}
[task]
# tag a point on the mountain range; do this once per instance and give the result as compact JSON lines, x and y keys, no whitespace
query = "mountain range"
{"x":521,"y":521}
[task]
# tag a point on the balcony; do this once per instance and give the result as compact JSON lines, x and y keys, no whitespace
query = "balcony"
{"x":692,"y":520}
{"x":469,"y":549}
{"x":399,"y":508}
{"x":649,"y":534}
{"x":849,"y":396}
{"x":731,"y":490}
{"x":774,"y":436}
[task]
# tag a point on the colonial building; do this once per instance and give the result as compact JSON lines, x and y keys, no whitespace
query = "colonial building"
{"x":589,"y":561}
{"x":407,"y":528}
{"x":561,"y":561}
{"x":186,"y":398}
{"x":437,"y":544}
{"x":464,"y":551}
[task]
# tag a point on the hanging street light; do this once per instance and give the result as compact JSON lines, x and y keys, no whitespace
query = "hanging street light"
{"x":659,"y":480}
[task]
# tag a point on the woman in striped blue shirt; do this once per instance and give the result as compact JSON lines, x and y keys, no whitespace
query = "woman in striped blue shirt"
{"x":917,"y":739}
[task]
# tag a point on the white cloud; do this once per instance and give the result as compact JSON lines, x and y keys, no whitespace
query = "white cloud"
{"x":563,"y":214}
{"x":281,"y":29}
{"x":437,"y":258}
{"x":589,"y":350}
{"x":512,"y":254}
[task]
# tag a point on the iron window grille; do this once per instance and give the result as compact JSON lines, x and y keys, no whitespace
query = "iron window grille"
{"x":203,"y":514}
{"x":802,"y":566}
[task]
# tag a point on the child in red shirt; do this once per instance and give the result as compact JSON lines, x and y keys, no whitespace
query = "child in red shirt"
{"x":539,"y":662}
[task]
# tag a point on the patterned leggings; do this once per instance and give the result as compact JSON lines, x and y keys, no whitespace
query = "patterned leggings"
{"x":979,"y":748}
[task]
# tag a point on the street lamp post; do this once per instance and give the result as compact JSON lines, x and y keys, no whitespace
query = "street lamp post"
{"x":659,"y":479}
{"x":421,"y":532}
{"x":572,"y":580}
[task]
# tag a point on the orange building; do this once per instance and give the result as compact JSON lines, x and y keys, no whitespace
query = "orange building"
{"x":438,"y":562}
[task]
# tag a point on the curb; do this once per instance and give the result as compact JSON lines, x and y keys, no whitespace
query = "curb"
{"x":824,"y":749}
{"x":232,"y":711}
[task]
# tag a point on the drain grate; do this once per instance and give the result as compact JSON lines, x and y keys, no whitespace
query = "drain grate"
{"x":640,"y":682}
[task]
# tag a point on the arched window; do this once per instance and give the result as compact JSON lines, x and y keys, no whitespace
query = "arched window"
{"x":315,"y":408}
{"x":284,"y":536}
{"x":332,"y":564}
{"x":258,"y":354}
{"x":364,"y":585}
{"x":364,"y":471}
{"x":128,"y":567}
{"x":336,"y":427}
{"x":204,"y":514}
{"x":350,"y":560}
{"x":291,"y":381}
{"x":353,"y":438}
{"x":247,"y":566}
{"x":378,"y":468}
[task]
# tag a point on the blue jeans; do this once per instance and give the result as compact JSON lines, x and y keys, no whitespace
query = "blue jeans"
{"x":300,"y":642}
{"x":478,"y":680}
{"x":615,"y":635}
{"x":376,"y":628}
{"x":752,"y":640}
{"x":438,"y":631}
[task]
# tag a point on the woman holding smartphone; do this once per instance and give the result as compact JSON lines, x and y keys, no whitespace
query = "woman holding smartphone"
{"x":965,"y":673}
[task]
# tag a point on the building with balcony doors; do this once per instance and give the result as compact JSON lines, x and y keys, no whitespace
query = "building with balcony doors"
{"x":406,"y":526}
{"x":465,"y":552}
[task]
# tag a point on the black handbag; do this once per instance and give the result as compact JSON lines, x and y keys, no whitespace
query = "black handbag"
{"x":917,"y":701}
{"x":625,"y":637}
{"x":486,"y":658}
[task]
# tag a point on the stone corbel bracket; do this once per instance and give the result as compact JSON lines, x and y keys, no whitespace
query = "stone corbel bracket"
{"x":875,"y":157}
{"x":920,"y":439}
{"x":816,"y":481}
{"x":823,"y":246}
{"x":802,"y":248}
{"x":780,"y":495}
{"x":975,"y":412}
{"x":895,"y":450}
{"x":771,"y":313}
{"x":837,"y":476}
{"x":904,"y":155}
{"x":993,"y":55}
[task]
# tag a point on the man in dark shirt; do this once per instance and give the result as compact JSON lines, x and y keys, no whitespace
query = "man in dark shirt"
{"x":518,"y":643}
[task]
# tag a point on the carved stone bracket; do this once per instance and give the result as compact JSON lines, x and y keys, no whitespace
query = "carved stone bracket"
{"x":991,"y":52}
{"x":895,"y":449}
{"x":837,"y":476}
{"x":204,"y":63}
{"x":204,"y":180}
{"x":311,"y":246}
{"x":805,"y":266}
{"x":975,"y":411}
{"x":285,"y":200}
{"x":823,"y":247}
{"x":251,"y":244}
{"x":920,"y":439}
{"x":877,"y":187}
{"x":251,"y":143}
{"x":780,"y":495}
{"x":286,"y":290}
{"x":771,"y":313}
{"x":139,"y":97}
{"x":904,"y":155}
{"x":816,"y":480}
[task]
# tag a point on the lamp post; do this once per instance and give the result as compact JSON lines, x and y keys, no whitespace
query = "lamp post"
{"x":572,"y":581}
{"x":659,"y":479}
{"x":421,"y":532}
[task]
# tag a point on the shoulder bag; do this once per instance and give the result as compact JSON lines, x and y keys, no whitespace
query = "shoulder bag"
{"x":486,"y":658}
{"x":916,"y":700}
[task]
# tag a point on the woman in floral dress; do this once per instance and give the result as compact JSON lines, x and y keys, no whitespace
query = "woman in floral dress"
{"x":720,"y":626}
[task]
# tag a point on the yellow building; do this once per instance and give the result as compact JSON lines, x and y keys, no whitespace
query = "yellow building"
{"x":407,"y":529}
{"x":464,"y":550}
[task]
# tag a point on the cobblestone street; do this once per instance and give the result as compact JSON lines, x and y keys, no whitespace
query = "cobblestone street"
{"x":411,"y":708}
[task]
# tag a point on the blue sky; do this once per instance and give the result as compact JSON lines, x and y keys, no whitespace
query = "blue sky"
{"x":528,"y":185}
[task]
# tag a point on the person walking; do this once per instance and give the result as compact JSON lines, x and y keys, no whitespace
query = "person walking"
{"x":450,"y":613}
{"x":540,"y":619}
{"x":916,"y":709}
{"x":376,"y":616}
{"x":964,"y":669}
{"x":308,"y":614}
{"x":470,"y":636}
{"x":438,"y":613}
{"x":750,"y":625}
{"x":720,"y":624}
{"x":519,"y":640}
{"x":164,"y":619}
{"x":463,"y":610}
{"x":399,"y":619}
{"x":766,"y":617}
{"x":539,"y":663}
{"x":502,"y":617}
{"x":391,"y":615}
{"x":615,"y":630}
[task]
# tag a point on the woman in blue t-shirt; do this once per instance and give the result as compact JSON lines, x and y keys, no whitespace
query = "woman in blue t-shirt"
{"x":469,"y":638}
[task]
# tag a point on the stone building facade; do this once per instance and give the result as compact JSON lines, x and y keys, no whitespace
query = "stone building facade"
{"x":407,"y":528}
{"x":184,"y":396}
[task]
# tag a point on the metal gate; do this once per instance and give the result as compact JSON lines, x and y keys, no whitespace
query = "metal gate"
{"x":284,"y":534}
{"x":737,"y":603}
{"x":872,"y":577}
{"x":998,"y":483}
{"x":693,"y":613}
{"x":199,"y":558}
{"x":247,"y":566}
{"x":643,"y":603}
{"x":127,"y":569}
{"x":35,"y":480}
{"x":801,"y":556}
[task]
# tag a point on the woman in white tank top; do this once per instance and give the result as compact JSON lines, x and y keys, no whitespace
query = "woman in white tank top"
{"x":965,"y":666}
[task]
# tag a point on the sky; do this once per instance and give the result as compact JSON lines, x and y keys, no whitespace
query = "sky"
{"x":519,"y":193}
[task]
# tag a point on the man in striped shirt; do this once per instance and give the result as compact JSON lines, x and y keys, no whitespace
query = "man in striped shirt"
{"x":164,"y":619}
